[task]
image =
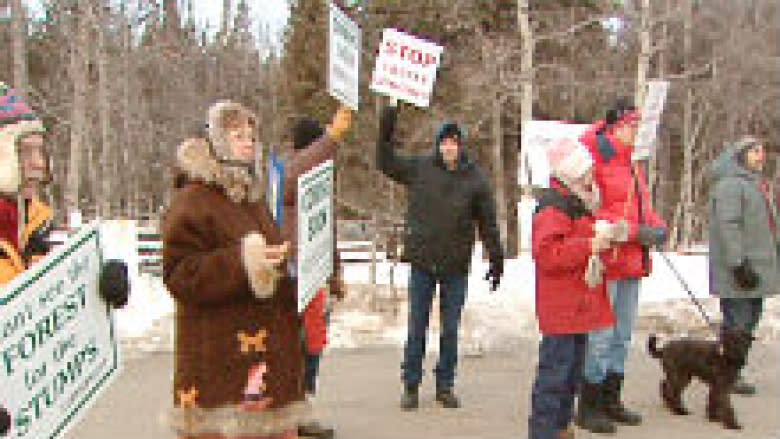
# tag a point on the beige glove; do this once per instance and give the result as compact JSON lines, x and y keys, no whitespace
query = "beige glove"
{"x":594,"y":274}
{"x":620,"y":231}
{"x":340,"y":124}
{"x":599,"y":243}
{"x":615,"y":232}
{"x":262,"y":263}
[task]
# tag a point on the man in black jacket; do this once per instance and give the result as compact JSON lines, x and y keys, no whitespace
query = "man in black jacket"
{"x":448,"y":195}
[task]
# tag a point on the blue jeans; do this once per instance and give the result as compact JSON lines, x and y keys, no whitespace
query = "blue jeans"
{"x":557,"y":378}
{"x":422,"y":285}
{"x":742,"y":313}
{"x":608,"y":348}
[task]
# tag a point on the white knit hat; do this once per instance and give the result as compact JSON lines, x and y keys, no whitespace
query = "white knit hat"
{"x":568,"y":159}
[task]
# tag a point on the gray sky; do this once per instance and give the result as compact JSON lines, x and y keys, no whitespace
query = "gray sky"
{"x":273,"y":12}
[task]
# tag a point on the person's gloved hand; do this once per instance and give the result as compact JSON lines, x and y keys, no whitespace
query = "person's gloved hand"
{"x":745,"y":277}
{"x":620,"y":231}
{"x":337,"y":287}
{"x":114,"y":283}
{"x":650,"y":236}
{"x":340,"y":124}
{"x":494,"y":274}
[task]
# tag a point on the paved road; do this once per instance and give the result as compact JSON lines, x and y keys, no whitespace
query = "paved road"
{"x":359,"y":395}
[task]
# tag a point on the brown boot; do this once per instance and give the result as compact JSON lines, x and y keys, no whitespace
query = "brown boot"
{"x":566,"y":433}
{"x":316,"y":430}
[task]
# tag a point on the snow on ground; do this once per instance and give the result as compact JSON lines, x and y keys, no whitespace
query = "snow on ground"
{"x":376,"y":315}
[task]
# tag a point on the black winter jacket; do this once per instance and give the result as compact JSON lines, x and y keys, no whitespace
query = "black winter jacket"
{"x":443,"y":206}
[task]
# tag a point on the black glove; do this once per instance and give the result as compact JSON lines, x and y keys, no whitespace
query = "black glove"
{"x":745,"y":277}
{"x":114,"y":283}
{"x":494,"y":273}
{"x":5,"y":422}
{"x":650,"y":236}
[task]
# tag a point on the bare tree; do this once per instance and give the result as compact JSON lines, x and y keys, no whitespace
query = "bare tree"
{"x":18,"y":39}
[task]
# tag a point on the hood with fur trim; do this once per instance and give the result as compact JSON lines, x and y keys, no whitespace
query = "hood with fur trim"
{"x":220,"y":114}
{"x":210,"y":161}
{"x":196,"y":162}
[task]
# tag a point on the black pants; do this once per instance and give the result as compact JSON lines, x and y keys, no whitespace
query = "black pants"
{"x":561,"y":358}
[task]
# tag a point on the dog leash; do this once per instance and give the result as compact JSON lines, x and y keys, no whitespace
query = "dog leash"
{"x":687,"y":289}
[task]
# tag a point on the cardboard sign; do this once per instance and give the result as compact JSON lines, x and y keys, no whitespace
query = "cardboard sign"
{"x":536,"y":137}
{"x":315,"y":231}
{"x":58,"y":348}
{"x":344,"y":58}
{"x":406,"y":67}
{"x":651,"y":118}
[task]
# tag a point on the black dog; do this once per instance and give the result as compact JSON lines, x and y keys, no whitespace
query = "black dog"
{"x":716,"y":363}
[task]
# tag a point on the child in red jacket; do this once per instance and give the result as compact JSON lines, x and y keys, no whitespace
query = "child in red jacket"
{"x":571,"y":297}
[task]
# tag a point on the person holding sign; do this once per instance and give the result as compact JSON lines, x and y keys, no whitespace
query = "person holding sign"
{"x":625,"y":199}
{"x":448,"y":196}
{"x":25,"y":220}
{"x":239,"y":362}
{"x":311,"y":146}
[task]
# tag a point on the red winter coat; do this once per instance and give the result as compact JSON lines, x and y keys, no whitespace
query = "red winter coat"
{"x":624,"y":196}
{"x":315,"y":324}
{"x":561,"y":234}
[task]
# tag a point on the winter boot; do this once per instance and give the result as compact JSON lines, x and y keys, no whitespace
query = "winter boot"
{"x":315,"y":430}
{"x":613,"y":406}
{"x":410,"y":400}
{"x":446,"y":397}
{"x":743,"y":387}
{"x":589,"y":414}
{"x":566,"y":433}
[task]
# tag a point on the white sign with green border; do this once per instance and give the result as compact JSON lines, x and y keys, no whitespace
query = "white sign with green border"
{"x":58,"y":348}
{"x":343,"y":58}
{"x":315,"y":231}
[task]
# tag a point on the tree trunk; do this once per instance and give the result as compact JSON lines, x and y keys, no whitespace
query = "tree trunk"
{"x":686,"y":186}
{"x":104,"y":105}
{"x":18,"y":39}
{"x":130,"y":188}
{"x":78,"y":74}
{"x":526,"y":72}
{"x":644,"y":54}
{"x":498,"y":168}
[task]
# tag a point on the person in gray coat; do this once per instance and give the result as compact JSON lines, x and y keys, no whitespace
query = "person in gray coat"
{"x":743,"y":238}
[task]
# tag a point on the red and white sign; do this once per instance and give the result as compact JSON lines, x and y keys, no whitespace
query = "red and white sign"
{"x":406,"y":67}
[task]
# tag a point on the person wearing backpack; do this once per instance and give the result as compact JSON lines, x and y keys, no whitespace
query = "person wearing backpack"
{"x":571,"y":296}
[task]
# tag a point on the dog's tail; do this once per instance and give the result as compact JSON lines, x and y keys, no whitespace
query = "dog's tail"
{"x":652,"y":346}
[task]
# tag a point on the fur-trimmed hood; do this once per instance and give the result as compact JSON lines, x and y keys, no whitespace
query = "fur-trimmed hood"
{"x":209,"y":160}
{"x":196,"y":162}
{"x":219,"y":115}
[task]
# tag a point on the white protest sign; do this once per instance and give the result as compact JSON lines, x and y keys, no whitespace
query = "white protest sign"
{"x":344,"y":58}
{"x":406,"y":67}
{"x":651,"y":116}
{"x":58,"y":348}
{"x":315,"y":231}
{"x":537,"y":136}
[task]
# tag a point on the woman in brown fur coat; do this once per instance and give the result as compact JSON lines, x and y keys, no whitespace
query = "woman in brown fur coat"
{"x":238,"y":359}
